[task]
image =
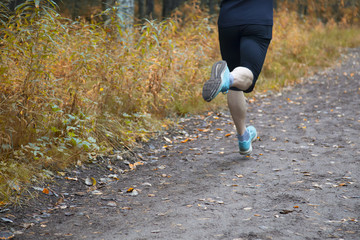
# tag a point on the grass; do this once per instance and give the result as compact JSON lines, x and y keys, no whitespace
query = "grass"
{"x":72,"y":90}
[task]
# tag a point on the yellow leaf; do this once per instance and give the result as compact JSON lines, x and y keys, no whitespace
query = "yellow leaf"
{"x":186,"y":140}
{"x":132,"y":166}
{"x":228,"y":135}
{"x":130,"y":189}
{"x":138,"y":164}
{"x":204,"y":130}
{"x":93,"y":181}
{"x":71,"y":178}
{"x":101,"y":89}
{"x":46,"y":191}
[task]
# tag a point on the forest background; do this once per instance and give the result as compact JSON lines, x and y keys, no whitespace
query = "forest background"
{"x":89,"y":77}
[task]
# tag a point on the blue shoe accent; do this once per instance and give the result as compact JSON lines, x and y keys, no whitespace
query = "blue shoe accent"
{"x":245,"y":147}
{"x":219,"y":81}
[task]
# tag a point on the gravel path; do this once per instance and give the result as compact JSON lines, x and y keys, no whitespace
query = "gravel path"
{"x":301,"y":182}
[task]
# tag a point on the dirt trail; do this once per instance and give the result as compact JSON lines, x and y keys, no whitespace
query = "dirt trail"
{"x":301,"y":182}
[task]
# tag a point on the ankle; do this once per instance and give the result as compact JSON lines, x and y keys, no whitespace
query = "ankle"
{"x":244,"y":137}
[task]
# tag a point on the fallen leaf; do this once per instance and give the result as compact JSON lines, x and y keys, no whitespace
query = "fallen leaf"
{"x":6,"y":235}
{"x":111,"y":204}
{"x":186,"y":140}
{"x":286,"y":211}
{"x":228,"y":135}
{"x":114,"y":176}
{"x":204,"y":130}
{"x":126,"y":208}
{"x":133,"y":166}
{"x":130,"y":189}
{"x":90,"y":181}
{"x":46,"y":191}
{"x":80,"y":193}
{"x":7,"y":220}
{"x":71,"y":178}
{"x":134,"y":193}
{"x":96,"y":192}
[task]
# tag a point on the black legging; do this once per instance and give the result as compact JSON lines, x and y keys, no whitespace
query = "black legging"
{"x":245,"y":46}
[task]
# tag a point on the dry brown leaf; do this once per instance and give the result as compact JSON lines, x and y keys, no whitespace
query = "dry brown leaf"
{"x":71,"y":178}
{"x":46,"y":191}
{"x":203,"y":130}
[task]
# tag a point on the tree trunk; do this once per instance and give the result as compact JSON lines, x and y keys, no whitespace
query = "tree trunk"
{"x":211,"y":7}
{"x":125,"y":12}
{"x":142,"y":8}
{"x":149,"y":8}
{"x":166,"y":8}
{"x":169,"y":6}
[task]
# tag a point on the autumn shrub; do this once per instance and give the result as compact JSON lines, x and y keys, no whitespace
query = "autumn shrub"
{"x":301,"y":45}
{"x":73,"y":89}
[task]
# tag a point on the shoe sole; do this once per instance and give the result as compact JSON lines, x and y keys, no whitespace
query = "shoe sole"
{"x":248,"y":152}
{"x":212,"y":87}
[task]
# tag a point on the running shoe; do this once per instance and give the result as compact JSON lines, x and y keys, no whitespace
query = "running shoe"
{"x":245,"y":146}
{"x":219,"y":81}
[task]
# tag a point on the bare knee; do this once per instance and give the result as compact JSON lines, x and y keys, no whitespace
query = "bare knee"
{"x":243,"y":78}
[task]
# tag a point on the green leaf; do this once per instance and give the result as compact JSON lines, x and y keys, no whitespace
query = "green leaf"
{"x":71,"y":134}
{"x":54,"y":129}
